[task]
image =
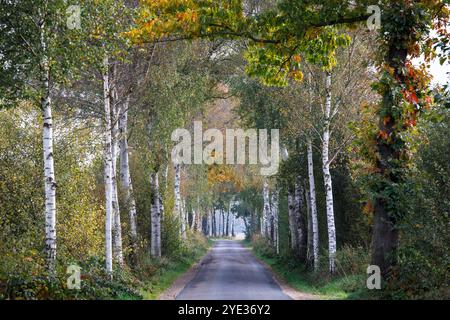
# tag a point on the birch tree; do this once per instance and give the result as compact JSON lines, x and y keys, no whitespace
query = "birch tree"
{"x":155,"y":232}
{"x":178,"y":206}
{"x":115,"y":115}
{"x":275,"y":220}
{"x":313,"y":206}
{"x":39,"y":55}
{"x":327,"y":177}
{"x":125,"y":176}
{"x":265,"y":226}
{"x":108,"y":167}
{"x":49,"y":170}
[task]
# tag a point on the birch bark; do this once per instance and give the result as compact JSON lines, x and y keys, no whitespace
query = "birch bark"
{"x":266,"y":211}
{"x":274,"y":215}
{"x":194,"y":217}
{"x":125,"y":176}
{"x":155,"y":232}
{"x":327,"y":178}
{"x":177,"y":193}
{"x":209,"y":223}
{"x":312,"y":197}
{"x":49,"y":170}
{"x":108,"y":166}
{"x":117,"y":229}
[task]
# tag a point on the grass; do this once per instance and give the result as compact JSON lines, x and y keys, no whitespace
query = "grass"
{"x":337,"y":288}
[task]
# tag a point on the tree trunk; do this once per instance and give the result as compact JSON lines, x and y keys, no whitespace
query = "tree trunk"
{"x":232,"y":225}
{"x":228,"y":224}
{"x":108,"y":167}
{"x":210,"y":223}
{"x":312,"y":197}
{"x":200,"y":219}
{"x":214,"y":221}
{"x":292,"y":220}
{"x":266,"y":211}
{"x":223,"y":222}
{"x":161,"y":205}
{"x":125,"y":176}
{"x":310,"y":250}
{"x":389,"y":164}
{"x":301,"y":221}
{"x":194,"y":219}
{"x":327,"y":179}
{"x":155,"y":232}
{"x":117,"y":229}
{"x":49,"y":170}
{"x":177,"y":194}
{"x":274,"y":217}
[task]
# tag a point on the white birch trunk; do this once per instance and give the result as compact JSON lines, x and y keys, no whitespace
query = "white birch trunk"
{"x":219,"y":223}
{"x":265,"y":229}
{"x":274,"y":213}
{"x":125,"y":173}
{"x":177,"y":195}
{"x":312,"y":198}
{"x":108,"y":167}
{"x":194,"y":217}
{"x":327,"y":178}
{"x":117,"y":229}
{"x":155,"y":232}
{"x":210,"y":217}
{"x":310,"y":249}
{"x":227,"y":229}
{"x":49,"y":170}
{"x":198,"y":223}
{"x":292,"y":220}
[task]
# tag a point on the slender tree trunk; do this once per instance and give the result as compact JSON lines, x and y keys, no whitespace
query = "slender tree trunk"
{"x":292,"y":219}
{"x":312,"y":197}
{"x":274,"y":216}
{"x":108,"y":167}
{"x":214,"y":221}
{"x":310,"y":250}
{"x":223,"y":223}
{"x":265,"y":227}
{"x":228,"y":224}
{"x":155,"y":235}
{"x":161,"y":205}
{"x":125,"y":176}
{"x":49,"y":170}
{"x":301,"y":221}
{"x":327,"y":178}
{"x":177,"y":194}
{"x":185,"y":214}
{"x":117,"y":229}
{"x":218,"y":223}
{"x":199,"y":221}
{"x":233,"y":221}
{"x":194,"y":219}
{"x":210,"y":223}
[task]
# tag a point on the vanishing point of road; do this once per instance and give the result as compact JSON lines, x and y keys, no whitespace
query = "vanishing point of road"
{"x":231,"y":272}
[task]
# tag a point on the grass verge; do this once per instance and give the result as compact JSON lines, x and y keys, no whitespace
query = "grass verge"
{"x":163,"y":272}
{"x":350,"y":287}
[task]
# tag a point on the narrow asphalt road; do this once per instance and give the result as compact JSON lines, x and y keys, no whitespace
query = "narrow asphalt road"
{"x":231,"y":272}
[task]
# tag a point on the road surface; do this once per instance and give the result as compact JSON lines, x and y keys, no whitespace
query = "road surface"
{"x":231,"y":272}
